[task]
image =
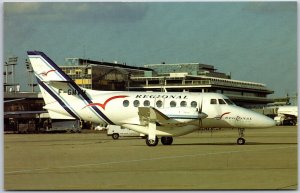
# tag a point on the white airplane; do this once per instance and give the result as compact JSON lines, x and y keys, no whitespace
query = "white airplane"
{"x":155,"y":114}
{"x":288,"y":113}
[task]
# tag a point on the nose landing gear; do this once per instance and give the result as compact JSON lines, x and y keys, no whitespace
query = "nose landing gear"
{"x":241,"y":140}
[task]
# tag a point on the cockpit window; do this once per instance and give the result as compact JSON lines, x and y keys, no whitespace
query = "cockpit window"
{"x":213,"y":101}
{"x":221,"y":102}
{"x":229,"y":102}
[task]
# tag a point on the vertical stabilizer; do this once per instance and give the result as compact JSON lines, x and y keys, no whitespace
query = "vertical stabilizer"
{"x":46,"y":71}
{"x":61,"y":94}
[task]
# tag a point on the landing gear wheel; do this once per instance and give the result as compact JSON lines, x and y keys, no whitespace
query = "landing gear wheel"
{"x":166,"y":140}
{"x":151,"y":142}
{"x":241,"y":141}
{"x":115,"y":136}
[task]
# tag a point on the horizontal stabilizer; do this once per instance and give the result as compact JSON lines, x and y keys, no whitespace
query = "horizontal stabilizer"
{"x":55,"y":115}
{"x":24,"y":112}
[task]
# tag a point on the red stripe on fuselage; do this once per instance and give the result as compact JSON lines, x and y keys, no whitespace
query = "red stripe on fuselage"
{"x":105,"y":103}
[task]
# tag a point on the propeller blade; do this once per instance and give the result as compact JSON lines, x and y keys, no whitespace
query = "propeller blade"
{"x":201,"y":115}
{"x":200,"y":108}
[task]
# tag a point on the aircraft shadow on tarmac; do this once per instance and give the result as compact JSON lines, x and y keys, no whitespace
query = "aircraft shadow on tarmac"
{"x":248,"y":143}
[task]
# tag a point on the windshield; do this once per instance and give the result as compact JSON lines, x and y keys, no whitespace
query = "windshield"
{"x":229,"y":102}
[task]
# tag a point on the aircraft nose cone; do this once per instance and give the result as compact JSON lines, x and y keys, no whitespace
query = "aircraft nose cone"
{"x":271,"y":123}
{"x":267,"y":122}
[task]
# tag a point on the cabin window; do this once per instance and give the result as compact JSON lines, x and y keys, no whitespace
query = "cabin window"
{"x":213,"y":101}
{"x":136,"y":103}
{"x":221,"y":102}
{"x":125,"y":103}
{"x":183,"y":103}
{"x":146,"y":103}
{"x":194,"y":104}
{"x":159,"y":103}
{"x":172,"y":104}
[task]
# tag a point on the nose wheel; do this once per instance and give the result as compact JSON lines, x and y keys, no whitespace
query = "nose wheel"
{"x":241,"y":140}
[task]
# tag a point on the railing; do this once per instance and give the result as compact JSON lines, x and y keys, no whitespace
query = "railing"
{"x":239,"y":84}
{"x":167,"y":81}
{"x":196,"y":82}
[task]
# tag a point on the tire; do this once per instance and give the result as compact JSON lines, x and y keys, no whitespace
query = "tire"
{"x":166,"y":140}
{"x":115,"y":136}
{"x":240,"y":141}
{"x":151,"y":142}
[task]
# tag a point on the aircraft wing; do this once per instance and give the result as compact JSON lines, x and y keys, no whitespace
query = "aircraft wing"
{"x":289,"y":115}
{"x":13,"y":100}
{"x":24,"y":112}
{"x":155,"y":123}
{"x":151,"y":114}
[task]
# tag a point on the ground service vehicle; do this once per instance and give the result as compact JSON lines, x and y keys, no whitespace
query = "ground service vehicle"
{"x":116,"y":131}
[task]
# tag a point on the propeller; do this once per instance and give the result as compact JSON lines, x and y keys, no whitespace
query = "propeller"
{"x":201,"y":115}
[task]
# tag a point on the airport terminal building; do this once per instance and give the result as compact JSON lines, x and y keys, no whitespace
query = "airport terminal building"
{"x":100,"y":75}
{"x":196,"y":77}
{"x":182,"y":77}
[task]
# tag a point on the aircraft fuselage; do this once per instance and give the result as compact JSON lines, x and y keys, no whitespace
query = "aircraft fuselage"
{"x":121,"y":108}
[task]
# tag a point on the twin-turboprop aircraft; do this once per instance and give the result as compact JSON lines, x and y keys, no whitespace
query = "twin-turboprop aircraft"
{"x":161,"y":115}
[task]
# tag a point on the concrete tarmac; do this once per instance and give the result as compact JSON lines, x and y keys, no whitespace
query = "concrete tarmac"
{"x":198,"y":161}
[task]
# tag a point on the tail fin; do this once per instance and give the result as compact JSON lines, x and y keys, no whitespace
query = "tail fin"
{"x":63,"y":97}
{"x":45,"y":69}
{"x":52,"y":80}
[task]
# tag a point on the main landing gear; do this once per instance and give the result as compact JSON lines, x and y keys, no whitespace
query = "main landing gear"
{"x":164,"y":140}
{"x":241,"y":140}
{"x":151,"y":142}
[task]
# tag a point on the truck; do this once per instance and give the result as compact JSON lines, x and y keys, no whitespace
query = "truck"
{"x":116,"y":131}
